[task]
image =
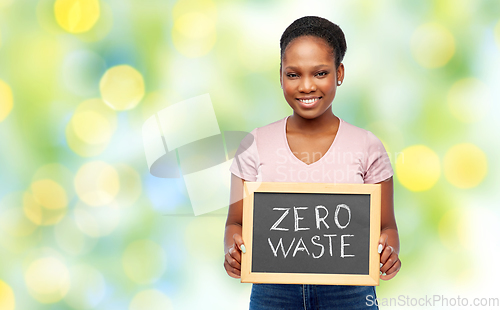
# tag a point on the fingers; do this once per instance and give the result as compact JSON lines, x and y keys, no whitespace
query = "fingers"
{"x":231,"y":271}
{"x":232,"y":262}
{"x":233,"y":257}
{"x":382,"y":242}
{"x":386,"y":253}
{"x":392,"y":272}
{"x":391,"y":263}
{"x":395,"y":268}
{"x":239,"y":242}
{"x":388,"y":259}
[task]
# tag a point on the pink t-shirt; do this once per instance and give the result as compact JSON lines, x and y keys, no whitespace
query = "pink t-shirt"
{"x":355,"y":156}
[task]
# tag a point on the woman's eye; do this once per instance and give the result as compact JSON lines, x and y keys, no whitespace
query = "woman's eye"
{"x":322,"y":73}
{"x":291,"y":75}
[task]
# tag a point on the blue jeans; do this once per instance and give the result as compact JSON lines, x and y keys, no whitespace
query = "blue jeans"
{"x":308,"y":297}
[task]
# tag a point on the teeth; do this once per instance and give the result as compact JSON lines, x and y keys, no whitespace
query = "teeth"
{"x":308,"y":100}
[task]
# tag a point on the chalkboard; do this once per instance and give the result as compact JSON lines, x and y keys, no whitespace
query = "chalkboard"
{"x":311,"y":233}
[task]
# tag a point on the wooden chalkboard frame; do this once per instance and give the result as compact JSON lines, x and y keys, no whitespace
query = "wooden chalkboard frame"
{"x":374,"y":190}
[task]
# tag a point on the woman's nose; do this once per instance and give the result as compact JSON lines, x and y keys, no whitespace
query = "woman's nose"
{"x":307,"y":85}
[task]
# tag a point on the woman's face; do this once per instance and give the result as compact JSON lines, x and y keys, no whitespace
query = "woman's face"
{"x":309,"y":77}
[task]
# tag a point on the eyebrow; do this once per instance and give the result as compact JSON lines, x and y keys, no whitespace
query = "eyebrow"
{"x":315,"y":67}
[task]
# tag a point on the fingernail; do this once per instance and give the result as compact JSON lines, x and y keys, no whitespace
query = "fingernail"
{"x":384,"y":274}
{"x":381,"y":265}
{"x":243,"y":249}
{"x":379,"y":248}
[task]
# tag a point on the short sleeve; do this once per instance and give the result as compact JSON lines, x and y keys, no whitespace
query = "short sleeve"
{"x":378,"y":165}
{"x":246,"y":162}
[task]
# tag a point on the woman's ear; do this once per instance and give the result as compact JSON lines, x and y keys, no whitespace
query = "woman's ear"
{"x":340,"y":73}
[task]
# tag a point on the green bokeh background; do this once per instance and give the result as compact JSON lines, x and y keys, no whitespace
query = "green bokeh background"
{"x":448,"y":235}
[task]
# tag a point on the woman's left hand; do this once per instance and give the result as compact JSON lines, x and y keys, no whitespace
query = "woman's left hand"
{"x":388,"y":258}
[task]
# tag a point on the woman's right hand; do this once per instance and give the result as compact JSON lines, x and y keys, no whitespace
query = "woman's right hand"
{"x":232,"y":259}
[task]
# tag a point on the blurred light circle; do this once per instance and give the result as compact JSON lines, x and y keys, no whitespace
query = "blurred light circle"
{"x":81,"y":71}
{"x":47,"y":280}
{"x":97,"y":105}
{"x":80,"y":147}
{"x":97,"y":222}
{"x":418,"y":168}
{"x":144,"y":261}
{"x":87,"y":287}
{"x":49,"y":194}
{"x":469,"y":100}
{"x":97,"y":183}
{"x":122,"y":87}
{"x":59,"y":174}
{"x":76,"y":16}
{"x":194,"y":34}
{"x":38,"y":214}
{"x":7,"y":299}
{"x":71,"y":239}
{"x":92,"y":127}
{"x":101,"y":28}
{"x":432,"y":45}
{"x":46,"y":203}
{"x":6,"y":100}
{"x":106,"y":128}
{"x":465,"y":165}
{"x":150,"y":300}
{"x":12,"y":218}
{"x":130,"y":185}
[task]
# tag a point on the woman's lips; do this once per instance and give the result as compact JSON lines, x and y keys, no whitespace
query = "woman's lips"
{"x":309,"y":103}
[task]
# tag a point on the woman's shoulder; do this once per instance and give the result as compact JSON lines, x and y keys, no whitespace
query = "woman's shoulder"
{"x":270,"y":130}
{"x":264,"y":136}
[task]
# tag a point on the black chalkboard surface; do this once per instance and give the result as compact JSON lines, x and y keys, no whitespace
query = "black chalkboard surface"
{"x":311,"y":233}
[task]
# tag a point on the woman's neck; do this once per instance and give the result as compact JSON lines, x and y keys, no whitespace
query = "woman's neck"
{"x":321,"y":124}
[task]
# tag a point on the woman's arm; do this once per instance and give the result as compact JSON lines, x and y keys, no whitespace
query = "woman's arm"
{"x":233,"y":243}
{"x":389,"y":238}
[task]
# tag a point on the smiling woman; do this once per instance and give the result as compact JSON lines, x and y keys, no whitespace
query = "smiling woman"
{"x":311,"y":68}
{"x":312,"y":49}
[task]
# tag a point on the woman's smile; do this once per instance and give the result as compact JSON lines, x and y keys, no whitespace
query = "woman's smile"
{"x":309,"y":102}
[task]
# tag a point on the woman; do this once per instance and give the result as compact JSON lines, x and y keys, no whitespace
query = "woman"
{"x":312,"y":145}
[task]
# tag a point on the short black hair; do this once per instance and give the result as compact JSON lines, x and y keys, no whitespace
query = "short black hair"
{"x":318,"y":27}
